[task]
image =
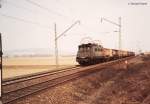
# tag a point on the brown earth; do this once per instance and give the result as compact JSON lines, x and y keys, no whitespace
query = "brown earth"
{"x":111,"y":85}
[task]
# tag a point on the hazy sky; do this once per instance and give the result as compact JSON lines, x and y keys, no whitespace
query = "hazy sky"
{"x":25,"y":26}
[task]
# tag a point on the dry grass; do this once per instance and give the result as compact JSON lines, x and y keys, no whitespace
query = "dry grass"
{"x":108,"y":86}
{"x":38,"y":61}
{"x":17,"y":66}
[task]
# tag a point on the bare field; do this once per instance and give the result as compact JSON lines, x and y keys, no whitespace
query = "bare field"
{"x":17,"y":66}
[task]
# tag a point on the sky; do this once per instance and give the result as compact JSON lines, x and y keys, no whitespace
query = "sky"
{"x":28,"y":25}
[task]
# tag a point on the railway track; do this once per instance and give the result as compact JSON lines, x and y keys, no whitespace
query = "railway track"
{"x":15,"y":89}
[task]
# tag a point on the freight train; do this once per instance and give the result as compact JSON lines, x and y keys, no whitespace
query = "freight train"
{"x":92,"y":53}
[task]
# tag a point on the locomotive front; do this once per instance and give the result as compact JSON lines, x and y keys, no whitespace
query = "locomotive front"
{"x":84,"y":54}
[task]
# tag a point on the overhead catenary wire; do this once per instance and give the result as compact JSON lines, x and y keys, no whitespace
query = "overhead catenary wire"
{"x":49,"y":10}
{"x":18,"y":6}
{"x":31,"y":22}
{"x":26,"y":21}
{"x":45,"y":8}
{"x":24,"y":8}
{"x":48,"y":15}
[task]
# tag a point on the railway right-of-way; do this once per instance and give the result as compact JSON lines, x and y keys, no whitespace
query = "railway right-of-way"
{"x":18,"y":88}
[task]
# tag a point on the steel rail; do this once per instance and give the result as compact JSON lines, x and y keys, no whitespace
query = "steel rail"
{"x":32,"y":76}
{"x":58,"y":78}
{"x":14,"y":95}
{"x":27,"y":82}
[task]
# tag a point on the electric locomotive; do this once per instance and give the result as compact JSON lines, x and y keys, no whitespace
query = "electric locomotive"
{"x":92,"y":53}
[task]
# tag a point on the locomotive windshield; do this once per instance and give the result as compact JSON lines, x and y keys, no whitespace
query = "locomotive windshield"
{"x":87,"y":47}
{"x":84,"y":49}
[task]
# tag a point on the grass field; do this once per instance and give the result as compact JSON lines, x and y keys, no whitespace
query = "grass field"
{"x":16,"y":66}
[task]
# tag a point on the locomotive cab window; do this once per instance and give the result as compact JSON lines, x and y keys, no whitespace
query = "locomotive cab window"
{"x":80,"y":49}
{"x":96,"y":49}
{"x":88,"y":48}
{"x":83,"y":50}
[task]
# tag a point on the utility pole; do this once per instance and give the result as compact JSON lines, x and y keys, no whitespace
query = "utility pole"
{"x":120,"y":43}
{"x":0,"y":4}
{"x":56,"y":47}
{"x":56,"y":40}
{"x":1,"y":54}
{"x":119,"y":30}
{"x":119,"y":25}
